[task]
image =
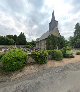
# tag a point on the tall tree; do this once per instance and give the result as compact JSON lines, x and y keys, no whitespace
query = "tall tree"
{"x":75,"y":40}
{"x":61,"y":42}
{"x":21,"y":40}
{"x":77,"y":30}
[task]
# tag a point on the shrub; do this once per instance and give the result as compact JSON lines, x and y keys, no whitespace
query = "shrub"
{"x":1,"y":55}
{"x":14,"y":60}
{"x":57,"y":55}
{"x":40,"y":57}
{"x":78,"y":53}
{"x":67,"y":52}
{"x":50,"y":54}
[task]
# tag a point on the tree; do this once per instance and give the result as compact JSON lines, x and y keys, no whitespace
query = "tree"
{"x":21,"y":40}
{"x":77,"y":30}
{"x":31,"y":44}
{"x":53,"y":42}
{"x":75,"y":40}
{"x":6,"y":41}
{"x":61,"y":42}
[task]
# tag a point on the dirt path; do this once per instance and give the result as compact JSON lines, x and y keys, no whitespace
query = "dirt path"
{"x":64,"y":78}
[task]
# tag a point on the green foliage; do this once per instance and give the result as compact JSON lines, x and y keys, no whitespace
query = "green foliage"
{"x":67,"y":52}
{"x":31,"y":44}
{"x":6,"y":41}
{"x":12,"y":39}
{"x":14,"y":60}
{"x":55,"y":55}
{"x":75,"y":40}
{"x":50,"y":54}
{"x":40,"y":57}
{"x":58,"y":55}
{"x":77,"y":30}
{"x":78,"y":53}
{"x":53,"y":42}
{"x":61,"y":42}
{"x":21,"y":40}
{"x":1,"y":54}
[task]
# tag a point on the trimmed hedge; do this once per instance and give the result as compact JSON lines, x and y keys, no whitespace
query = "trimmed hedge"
{"x":40,"y":57}
{"x":14,"y":60}
{"x":58,"y":55}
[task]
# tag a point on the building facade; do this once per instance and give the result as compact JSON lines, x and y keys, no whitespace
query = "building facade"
{"x":53,"y":30}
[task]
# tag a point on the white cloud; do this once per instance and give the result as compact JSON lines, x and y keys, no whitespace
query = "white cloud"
{"x":33,"y":16}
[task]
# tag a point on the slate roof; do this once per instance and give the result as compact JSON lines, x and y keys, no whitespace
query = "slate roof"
{"x":44,"y":36}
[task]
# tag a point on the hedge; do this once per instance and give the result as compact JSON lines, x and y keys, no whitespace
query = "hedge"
{"x":14,"y":60}
{"x":67,"y":52}
{"x":40,"y":57}
{"x":57,"y":55}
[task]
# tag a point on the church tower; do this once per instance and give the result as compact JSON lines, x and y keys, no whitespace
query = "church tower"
{"x":53,"y":24}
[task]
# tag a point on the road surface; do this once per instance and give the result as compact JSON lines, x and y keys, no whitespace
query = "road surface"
{"x":61,"y":79}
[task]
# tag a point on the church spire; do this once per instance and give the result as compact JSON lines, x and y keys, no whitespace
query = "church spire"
{"x":53,"y":17}
{"x":53,"y":24}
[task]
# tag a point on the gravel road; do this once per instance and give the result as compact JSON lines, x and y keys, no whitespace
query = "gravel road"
{"x":60,"y":79}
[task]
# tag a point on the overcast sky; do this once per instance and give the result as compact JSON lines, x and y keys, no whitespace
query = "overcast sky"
{"x":33,"y":16}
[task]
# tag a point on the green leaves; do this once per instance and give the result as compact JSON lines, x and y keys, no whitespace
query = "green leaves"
{"x":14,"y":60}
{"x":40,"y":57}
{"x":53,"y":42}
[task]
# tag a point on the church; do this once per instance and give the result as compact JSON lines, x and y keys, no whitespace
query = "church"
{"x":53,"y":30}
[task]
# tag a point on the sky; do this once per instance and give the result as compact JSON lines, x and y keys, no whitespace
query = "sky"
{"x":33,"y":16}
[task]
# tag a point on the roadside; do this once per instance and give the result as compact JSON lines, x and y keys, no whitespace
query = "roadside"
{"x":33,"y":68}
{"x":59,"y":79}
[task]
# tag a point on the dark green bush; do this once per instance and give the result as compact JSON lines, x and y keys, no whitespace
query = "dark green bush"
{"x":57,"y":55}
{"x":2,"y":54}
{"x":40,"y":57}
{"x":78,"y":53}
{"x":14,"y":60}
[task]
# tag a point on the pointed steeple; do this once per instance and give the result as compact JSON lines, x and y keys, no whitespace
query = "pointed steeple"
{"x":53,"y":17}
{"x":53,"y":23}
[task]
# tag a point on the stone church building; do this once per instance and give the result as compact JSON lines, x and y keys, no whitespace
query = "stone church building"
{"x":53,"y":30}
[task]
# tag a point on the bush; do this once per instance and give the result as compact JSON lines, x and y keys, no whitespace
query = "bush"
{"x":78,"y":53}
{"x":40,"y":57}
{"x":50,"y":54}
{"x":14,"y":60}
{"x":1,"y":55}
{"x":67,"y":52}
{"x":57,"y":55}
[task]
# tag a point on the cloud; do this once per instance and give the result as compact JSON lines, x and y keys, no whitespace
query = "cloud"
{"x":33,"y":16}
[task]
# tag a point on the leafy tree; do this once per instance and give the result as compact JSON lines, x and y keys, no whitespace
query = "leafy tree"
{"x":31,"y":44}
{"x":61,"y":42}
{"x":15,"y":38}
{"x":21,"y":40}
{"x":6,"y":41}
{"x":77,"y":30}
{"x":53,"y":42}
{"x":75,"y":40}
